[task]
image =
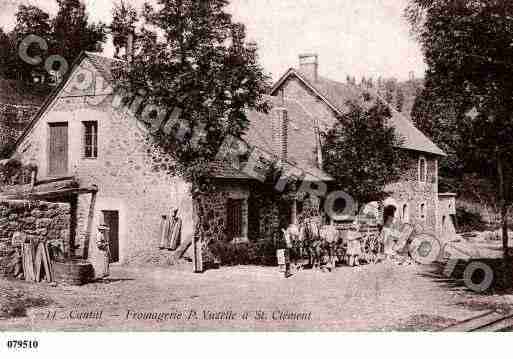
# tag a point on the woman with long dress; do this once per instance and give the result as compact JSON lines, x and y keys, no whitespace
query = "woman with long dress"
{"x":103,"y":254}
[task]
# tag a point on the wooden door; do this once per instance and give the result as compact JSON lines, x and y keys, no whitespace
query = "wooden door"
{"x":111,"y":220}
{"x":58,"y":149}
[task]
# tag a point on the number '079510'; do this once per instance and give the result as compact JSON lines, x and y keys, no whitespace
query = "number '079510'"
{"x":22,"y":344}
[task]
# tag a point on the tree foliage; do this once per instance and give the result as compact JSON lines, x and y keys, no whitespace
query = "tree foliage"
{"x":68,"y":33}
{"x":361,"y":152}
{"x":469,"y":85}
{"x":73,"y":32}
{"x":124,"y":19}
{"x":193,"y":56}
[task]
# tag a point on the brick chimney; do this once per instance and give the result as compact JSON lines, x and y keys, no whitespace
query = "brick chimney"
{"x":309,"y":66}
{"x":280,"y":129}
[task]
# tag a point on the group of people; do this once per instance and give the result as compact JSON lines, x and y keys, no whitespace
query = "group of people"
{"x":323,"y":246}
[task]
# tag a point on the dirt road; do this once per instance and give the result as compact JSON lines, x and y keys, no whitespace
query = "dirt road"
{"x":369,"y":298}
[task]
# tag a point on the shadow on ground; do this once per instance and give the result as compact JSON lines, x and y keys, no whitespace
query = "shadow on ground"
{"x":493,"y":298}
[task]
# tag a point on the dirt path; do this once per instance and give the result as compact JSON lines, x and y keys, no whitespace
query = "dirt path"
{"x":378,"y":297}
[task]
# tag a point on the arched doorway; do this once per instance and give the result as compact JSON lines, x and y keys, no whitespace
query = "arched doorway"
{"x":406,"y":213}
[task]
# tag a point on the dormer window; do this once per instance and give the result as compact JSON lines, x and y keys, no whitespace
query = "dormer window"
{"x":422,"y":170}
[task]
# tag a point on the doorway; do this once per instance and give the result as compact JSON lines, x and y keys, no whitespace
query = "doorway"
{"x":111,"y":219}
{"x":389,"y":215}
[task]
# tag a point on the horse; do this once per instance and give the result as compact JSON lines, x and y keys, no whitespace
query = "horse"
{"x":316,"y":244}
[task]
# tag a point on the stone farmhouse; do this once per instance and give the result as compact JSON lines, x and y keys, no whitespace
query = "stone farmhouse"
{"x":414,"y":198}
{"x":94,"y":156}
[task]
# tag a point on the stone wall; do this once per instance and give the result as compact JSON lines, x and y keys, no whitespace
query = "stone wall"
{"x":213,"y":209}
{"x":40,"y":221}
{"x":412,"y":193}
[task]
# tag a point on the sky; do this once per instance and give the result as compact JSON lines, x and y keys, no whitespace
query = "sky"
{"x":351,"y":37}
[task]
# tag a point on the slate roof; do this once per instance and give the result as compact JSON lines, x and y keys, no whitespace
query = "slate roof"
{"x":302,"y":140}
{"x":336,"y":94}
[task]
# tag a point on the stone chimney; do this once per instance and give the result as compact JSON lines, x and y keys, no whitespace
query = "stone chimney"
{"x":130,"y":47}
{"x":280,"y":129}
{"x":309,"y":66}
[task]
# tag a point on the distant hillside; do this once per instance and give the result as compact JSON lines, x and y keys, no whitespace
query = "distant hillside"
{"x":410,"y":90}
{"x":18,"y":104}
{"x":15,"y":93}
{"x":394,"y":91}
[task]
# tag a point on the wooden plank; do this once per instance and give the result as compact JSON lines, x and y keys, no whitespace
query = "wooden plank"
{"x":505,"y":323}
{"x":38,"y":263}
{"x":47,"y":263}
{"x":28,"y":262}
{"x":474,"y":323}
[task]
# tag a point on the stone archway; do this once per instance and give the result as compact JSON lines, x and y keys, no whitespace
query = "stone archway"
{"x":390,"y":210}
{"x":389,"y":213}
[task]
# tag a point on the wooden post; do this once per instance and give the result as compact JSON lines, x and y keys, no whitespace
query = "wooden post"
{"x":197,"y":257}
{"x":293,"y":212}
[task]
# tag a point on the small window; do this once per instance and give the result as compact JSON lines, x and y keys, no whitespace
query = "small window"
{"x":422,"y":170}
{"x":423,"y":212}
{"x":90,"y":139}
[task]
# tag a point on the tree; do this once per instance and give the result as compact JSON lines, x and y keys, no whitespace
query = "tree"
{"x":5,"y":52}
{"x":30,"y":20}
{"x":361,"y":152}
{"x":467,"y":46}
{"x":72,"y":31}
{"x":124,"y":19}
{"x":66,"y":35}
{"x":202,"y":64}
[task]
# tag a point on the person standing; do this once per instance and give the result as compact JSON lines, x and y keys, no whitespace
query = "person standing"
{"x":103,"y":256}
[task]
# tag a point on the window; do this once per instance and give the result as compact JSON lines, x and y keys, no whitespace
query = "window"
{"x":422,"y":170}
{"x":234,"y":218}
{"x":90,"y":139}
{"x":423,"y":212}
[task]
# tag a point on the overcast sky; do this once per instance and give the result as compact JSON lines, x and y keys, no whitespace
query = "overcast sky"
{"x":356,"y":37}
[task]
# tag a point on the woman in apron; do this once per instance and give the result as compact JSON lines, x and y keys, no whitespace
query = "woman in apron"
{"x":103,"y":254}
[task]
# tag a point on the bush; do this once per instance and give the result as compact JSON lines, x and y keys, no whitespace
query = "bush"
{"x":468,"y":221}
{"x":262,"y":253}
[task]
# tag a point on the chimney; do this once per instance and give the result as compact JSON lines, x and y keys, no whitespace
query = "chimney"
{"x":309,"y":66}
{"x":130,"y":47}
{"x":280,"y":128}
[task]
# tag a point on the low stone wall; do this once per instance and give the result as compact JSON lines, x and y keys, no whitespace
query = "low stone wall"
{"x":40,"y":221}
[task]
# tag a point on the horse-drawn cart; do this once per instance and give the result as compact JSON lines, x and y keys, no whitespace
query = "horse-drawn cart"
{"x":314,"y":246}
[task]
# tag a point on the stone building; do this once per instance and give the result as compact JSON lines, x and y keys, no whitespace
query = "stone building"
{"x":93,"y":154}
{"x":118,"y":174}
{"x":414,"y":198}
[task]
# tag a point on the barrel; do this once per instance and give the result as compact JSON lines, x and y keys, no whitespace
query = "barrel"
{"x":74,"y":272}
